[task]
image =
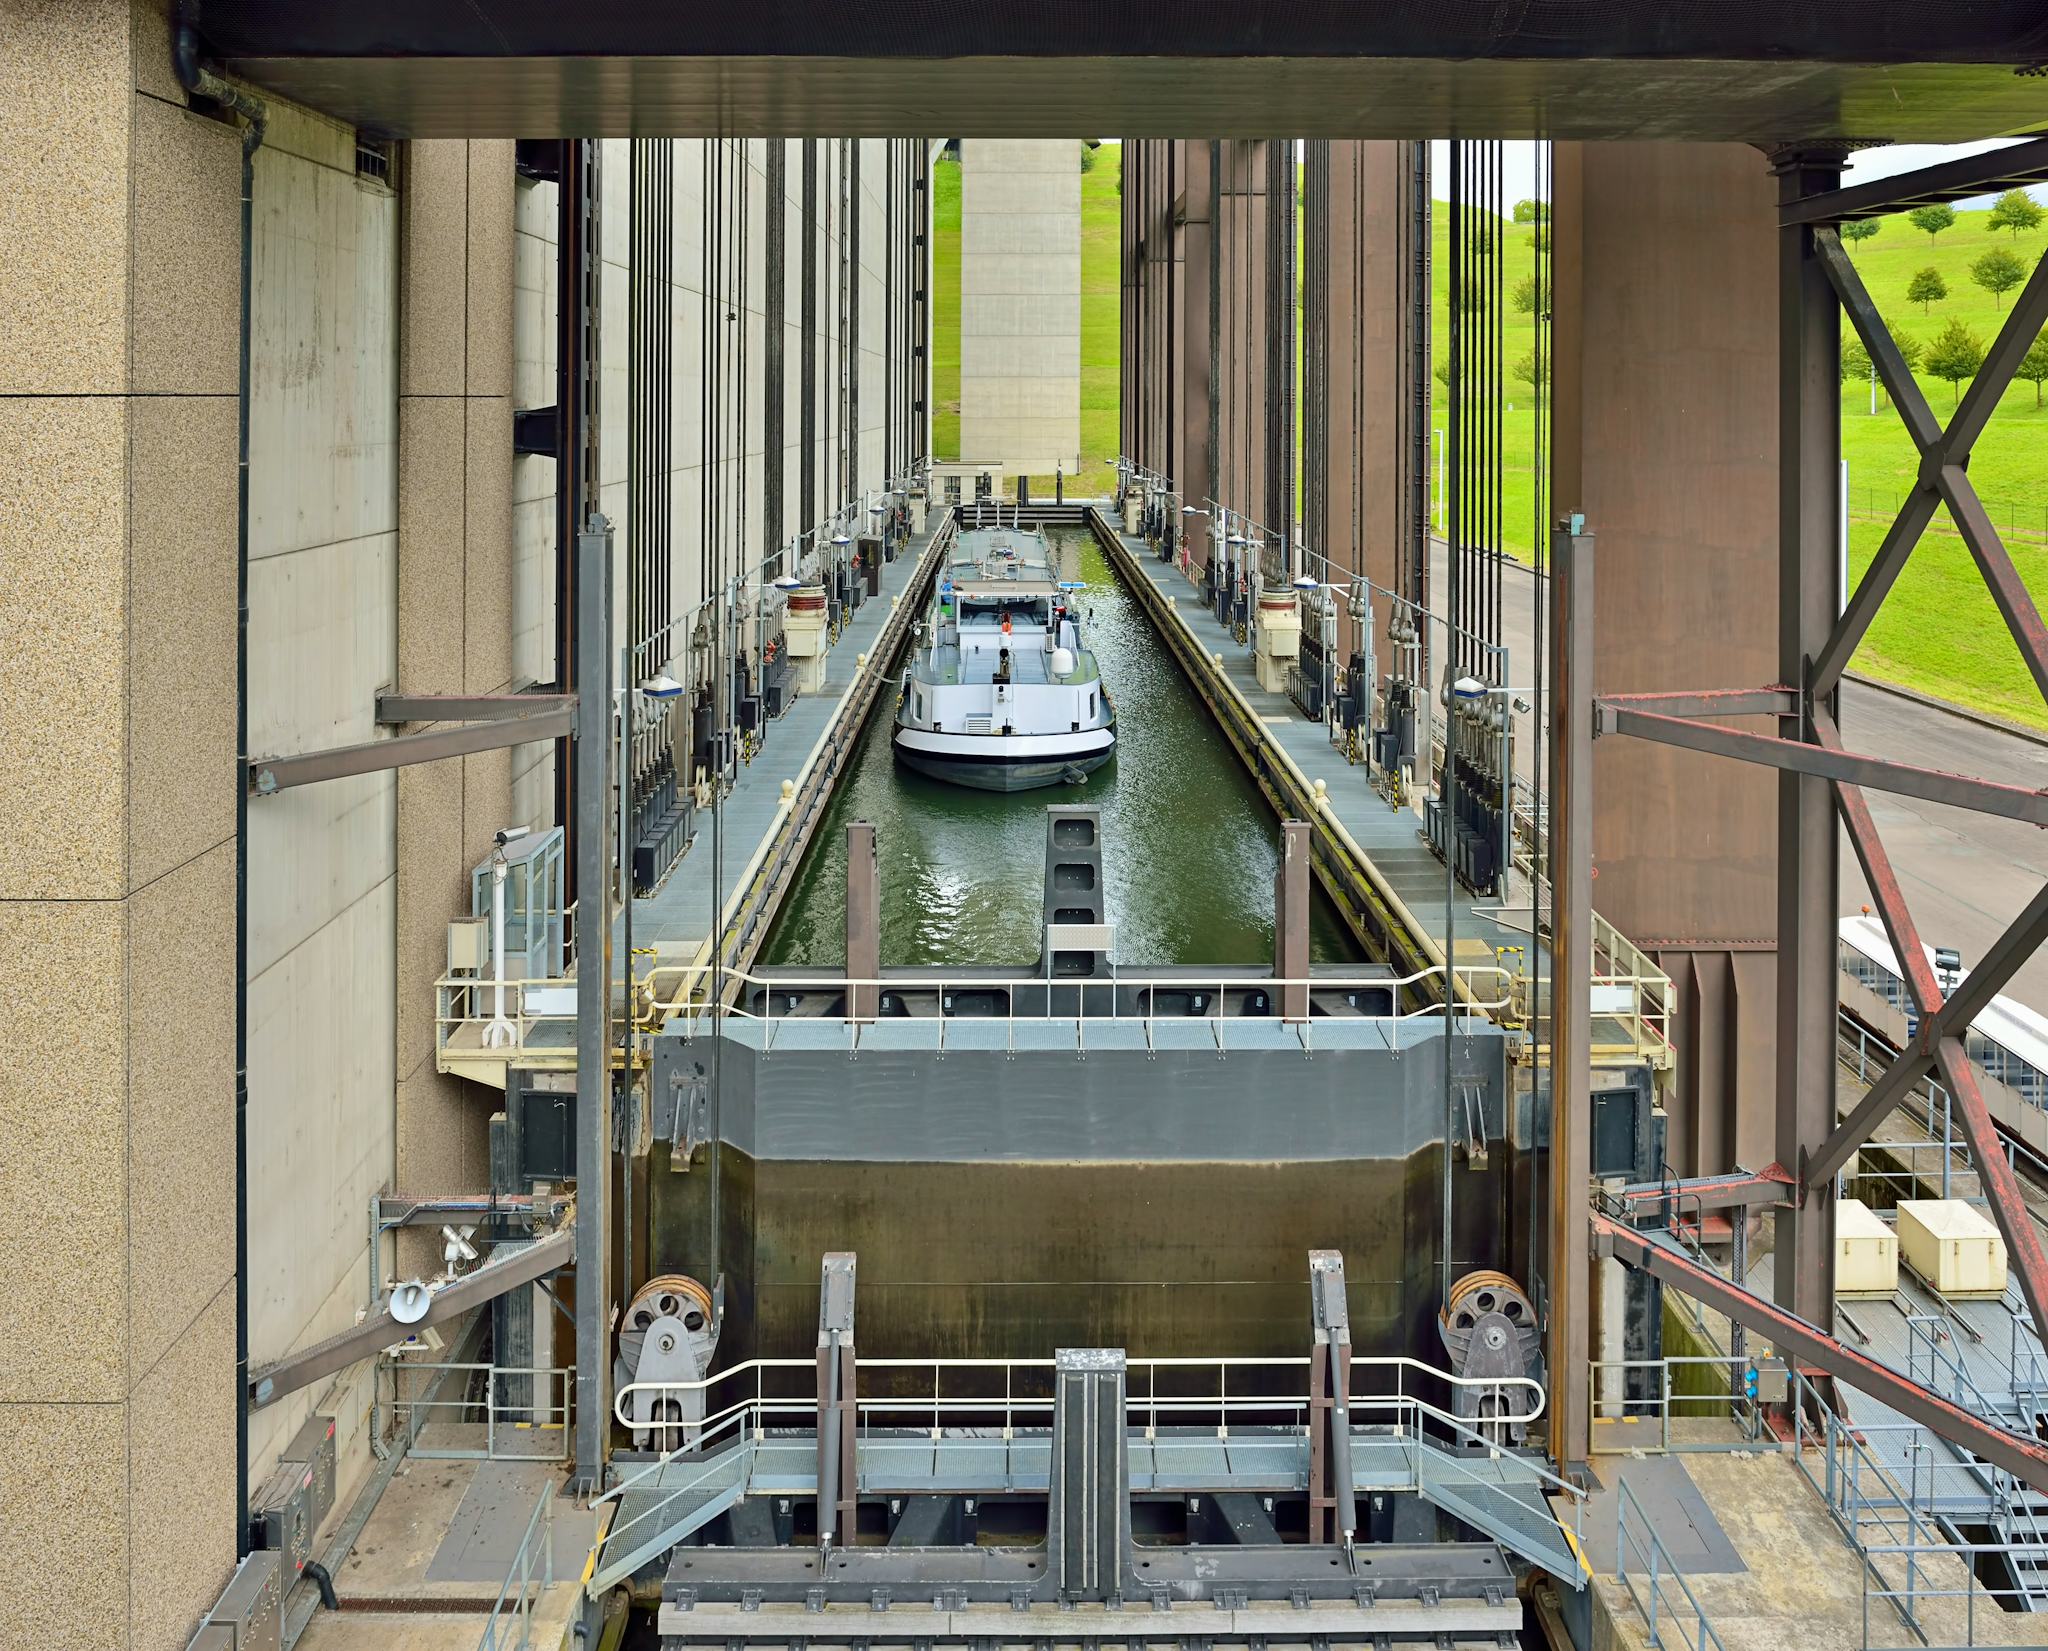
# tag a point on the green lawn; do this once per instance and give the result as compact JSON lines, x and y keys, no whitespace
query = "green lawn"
{"x":1101,"y":316}
{"x":1940,"y":633}
{"x":946,"y":308}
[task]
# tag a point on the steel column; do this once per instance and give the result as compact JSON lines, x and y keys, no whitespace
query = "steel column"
{"x":1809,"y":454}
{"x":593,"y":1000}
{"x":1569,"y":1299}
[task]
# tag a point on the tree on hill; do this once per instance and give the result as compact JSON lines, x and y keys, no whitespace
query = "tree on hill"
{"x":1532,"y":212}
{"x":1525,"y":296}
{"x":1927,"y":288}
{"x":1525,"y":370}
{"x":1910,"y":350}
{"x":1998,"y":271}
{"x":1859,"y":229}
{"x":1855,"y":360}
{"x":1955,"y":355}
{"x":2015,"y":210}
{"x":2034,"y":364}
{"x":1934,"y":219}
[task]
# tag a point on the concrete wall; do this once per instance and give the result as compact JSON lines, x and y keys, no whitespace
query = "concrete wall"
{"x":1020,"y":303}
{"x":324,"y":539}
{"x":395,"y":324}
{"x":1666,"y":436}
{"x":118,"y":302}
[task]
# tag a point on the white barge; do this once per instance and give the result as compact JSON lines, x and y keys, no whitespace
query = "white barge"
{"x":999,"y":693}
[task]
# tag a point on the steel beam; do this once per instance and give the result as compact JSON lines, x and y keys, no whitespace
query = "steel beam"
{"x":522,"y":1265}
{"x":1569,"y":1295}
{"x":1772,"y":1184}
{"x":1955,"y":180}
{"x":1971,"y":996}
{"x":1773,"y":701}
{"x":1802,"y":757}
{"x":396,"y":708}
{"x":2017,"y":1453}
{"x":268,"y":775}
{"x":1876,"y":334}
{"x":592,"y":837}
{"x":1996,"y":1176}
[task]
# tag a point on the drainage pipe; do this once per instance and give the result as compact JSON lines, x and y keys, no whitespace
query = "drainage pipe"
{"x":202,"y":82}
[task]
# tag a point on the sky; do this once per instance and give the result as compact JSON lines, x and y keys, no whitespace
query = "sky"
{"x":1518,"y":165}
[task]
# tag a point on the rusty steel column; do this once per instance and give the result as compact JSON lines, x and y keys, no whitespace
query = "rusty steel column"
{"x":863,"y":921}
{"x":1568,"y":1298}
{"x":1291,"y":886}
{"x":1196,"y":476}
{"x":1809,"y":475}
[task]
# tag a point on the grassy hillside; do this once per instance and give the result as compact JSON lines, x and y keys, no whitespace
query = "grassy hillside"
{"x":1940,"y":634}
{"x":1100,"y":315}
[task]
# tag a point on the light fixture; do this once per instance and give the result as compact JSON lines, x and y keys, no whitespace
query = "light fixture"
{"x":1304,"y":581}
{"x":788,"y":581}
{"x":1235,"y":539}
{"x":841,"y":539}
{"x":663,"y":686}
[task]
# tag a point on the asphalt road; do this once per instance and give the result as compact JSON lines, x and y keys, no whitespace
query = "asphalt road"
{"x":1965,"y":875}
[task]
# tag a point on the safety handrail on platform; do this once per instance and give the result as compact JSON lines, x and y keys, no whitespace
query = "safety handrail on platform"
{"x":1150,"y":1402}
{"x":1061,"y":991}
{"x":1457,"y":1451}
{"x":518,"y":1596}
{"x":1666,"y":1598}
{"x":1880,"y":1518}
{"x":543,"y":1417}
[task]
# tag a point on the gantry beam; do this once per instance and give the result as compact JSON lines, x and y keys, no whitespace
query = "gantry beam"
{"x":2017,"y":1453}
{"x":267,"y":775}
{"x":509,"y":1268}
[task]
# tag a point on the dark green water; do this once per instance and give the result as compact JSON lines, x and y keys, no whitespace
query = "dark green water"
{"x":1189,"y":845}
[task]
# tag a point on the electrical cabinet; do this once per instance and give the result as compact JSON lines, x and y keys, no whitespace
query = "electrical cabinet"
{"x":282,"y":1515}
{"x":251,"y":1606}
{"x":313,"y":1447}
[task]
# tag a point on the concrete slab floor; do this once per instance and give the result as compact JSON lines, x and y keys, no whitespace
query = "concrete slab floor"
{"x":1802,"y":1584}
{"x":434,"y":1553}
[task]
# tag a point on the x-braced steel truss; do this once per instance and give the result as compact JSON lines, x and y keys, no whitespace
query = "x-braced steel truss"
{"x":1808,"y":743}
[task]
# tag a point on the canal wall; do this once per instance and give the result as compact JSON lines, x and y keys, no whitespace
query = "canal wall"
{"x":1004,"y":1204}
{"x":1377,"y":916}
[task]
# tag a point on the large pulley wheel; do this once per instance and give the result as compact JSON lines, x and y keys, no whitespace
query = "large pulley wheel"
{"x":1479,"y":1293}
{"x":670,"y":1295}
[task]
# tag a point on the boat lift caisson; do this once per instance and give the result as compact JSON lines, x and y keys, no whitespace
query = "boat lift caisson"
{"x":999,"y":693}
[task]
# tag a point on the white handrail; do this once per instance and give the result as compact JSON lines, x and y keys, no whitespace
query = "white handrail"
{"x":1399,"y":1363}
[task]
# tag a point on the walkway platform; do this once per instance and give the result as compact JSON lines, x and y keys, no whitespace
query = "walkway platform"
{"x":676,"y":920}
{"x":428,"y":1565}
{"x":1763,"y":1557}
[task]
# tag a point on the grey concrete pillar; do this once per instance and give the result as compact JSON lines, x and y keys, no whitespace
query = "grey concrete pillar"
{"x":863,"y":920}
